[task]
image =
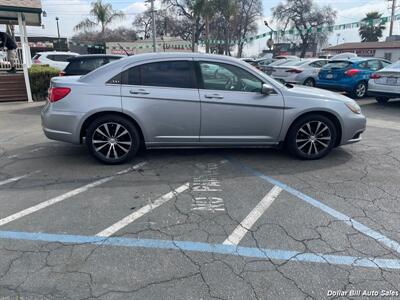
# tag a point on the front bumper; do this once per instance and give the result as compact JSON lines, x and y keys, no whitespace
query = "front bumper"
{"x":60,"y":125}
{"x":353,"y":128}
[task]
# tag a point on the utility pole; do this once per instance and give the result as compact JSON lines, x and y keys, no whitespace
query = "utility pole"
{"x":153,"y":17}
{"x":392,"y":17}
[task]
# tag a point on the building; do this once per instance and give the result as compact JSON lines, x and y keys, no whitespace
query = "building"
{"x":389,"y":50}
{"x":44,"y":44}
{"x":168,"y":44}
{"x":22,"y":13}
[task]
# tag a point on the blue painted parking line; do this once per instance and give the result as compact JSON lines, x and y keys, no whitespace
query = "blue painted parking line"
{"x":334,"y":213}
{"x":262,"y":253}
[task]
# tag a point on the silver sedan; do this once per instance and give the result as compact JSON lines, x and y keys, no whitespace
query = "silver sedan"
{"x":385,"y":83}
{"x":171,"y":100}
{"x":302,"y":72}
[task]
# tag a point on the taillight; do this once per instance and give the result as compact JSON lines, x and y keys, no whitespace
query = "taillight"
{"x":57,"y":93}
{"x":351,"y":72}
{"x":294,"y":71}
{"x":36,"y":61}
{"x":62,"y":73}
{"x":375,"y":76}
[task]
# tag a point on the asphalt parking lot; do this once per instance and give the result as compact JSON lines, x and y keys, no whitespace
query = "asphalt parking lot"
{"x":199,"y":224}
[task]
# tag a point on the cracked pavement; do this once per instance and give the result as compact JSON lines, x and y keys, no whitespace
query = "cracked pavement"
{"x":360,"y":181}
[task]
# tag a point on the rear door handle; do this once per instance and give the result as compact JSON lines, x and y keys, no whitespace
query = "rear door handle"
{"x":213,"y":96}
{"x":139,"y":92}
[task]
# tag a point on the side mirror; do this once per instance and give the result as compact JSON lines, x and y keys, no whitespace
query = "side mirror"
{"x":267,"y":89}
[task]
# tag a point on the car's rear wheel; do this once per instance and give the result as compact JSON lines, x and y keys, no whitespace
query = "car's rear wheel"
{"x":309,"y":82}
{"x":112,"y":139}
{"x":360,"y":91}
{"x":311,"y":137}
{"x":382,"y":100}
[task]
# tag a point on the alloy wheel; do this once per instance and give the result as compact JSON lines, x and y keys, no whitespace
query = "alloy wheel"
{"x":309,"y":82}
{"x":313,"y":137}
{"x":112,"y":141}
{"x":360,"y":90}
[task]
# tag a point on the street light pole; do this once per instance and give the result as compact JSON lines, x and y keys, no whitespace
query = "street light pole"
{"x":58,"y":33}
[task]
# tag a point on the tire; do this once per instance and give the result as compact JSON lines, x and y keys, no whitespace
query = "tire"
{"x":309,"y":82}
{"x":112,"y":139}
{"x":311,"y":137}
{"x":382,"y":100}
{"x":360,"y":91}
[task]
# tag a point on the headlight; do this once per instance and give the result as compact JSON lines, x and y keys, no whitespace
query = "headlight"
{"x":354,"y":107}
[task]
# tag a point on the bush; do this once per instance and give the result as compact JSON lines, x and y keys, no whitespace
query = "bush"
{"x":39,"y":77}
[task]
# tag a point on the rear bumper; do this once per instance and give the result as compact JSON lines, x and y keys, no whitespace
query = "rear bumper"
{"x":61,"y":125}
{"x":383,"y":94}
{"x":381,"y":90}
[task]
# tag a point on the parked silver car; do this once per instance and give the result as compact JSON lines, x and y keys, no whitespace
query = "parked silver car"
{"x":168,"y":100}
{"x":385,"y":83}
{"x":269,"y":68}
{"x":302,"y":72}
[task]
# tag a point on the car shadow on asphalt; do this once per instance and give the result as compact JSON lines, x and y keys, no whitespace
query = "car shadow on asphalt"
{"x":277,"y":162}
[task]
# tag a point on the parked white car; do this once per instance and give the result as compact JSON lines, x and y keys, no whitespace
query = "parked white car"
{"x":58,"y":60}
{"x":299,"y":72}
{"x":385,"y":83}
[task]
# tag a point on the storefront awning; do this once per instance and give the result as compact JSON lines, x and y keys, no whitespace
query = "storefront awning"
{"x":31,"y":10}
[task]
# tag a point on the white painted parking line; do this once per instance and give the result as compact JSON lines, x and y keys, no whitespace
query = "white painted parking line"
{"x":244,"y":226}
{"x":383,"y":124}
{"x":60,"y":198}
{"x":14,"y":179}
{"x":142,"y":211}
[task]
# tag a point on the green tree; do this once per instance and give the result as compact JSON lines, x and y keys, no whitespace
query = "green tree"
{"x":369,"y":31}
{"x":101,"y":14}
{"x":305,"y":16}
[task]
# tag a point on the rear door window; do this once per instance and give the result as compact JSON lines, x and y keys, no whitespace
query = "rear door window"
{"x":178,"y":74}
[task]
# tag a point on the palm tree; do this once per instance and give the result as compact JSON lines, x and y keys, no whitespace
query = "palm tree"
{"x":369,"y":31}
{"x":101,"y":14}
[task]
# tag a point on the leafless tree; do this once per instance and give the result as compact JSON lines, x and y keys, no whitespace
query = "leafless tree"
{"x":305,"y":16}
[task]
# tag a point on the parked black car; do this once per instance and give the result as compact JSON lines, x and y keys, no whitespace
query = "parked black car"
{"x":83,"y":64}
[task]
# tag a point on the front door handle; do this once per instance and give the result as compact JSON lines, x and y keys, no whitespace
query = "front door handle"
{"x":213,"y":96}
{"x":139,"y":92}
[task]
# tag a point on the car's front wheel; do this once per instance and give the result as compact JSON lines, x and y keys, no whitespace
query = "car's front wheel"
{"x":360,"y":91}
{"x":112,"y":139}
{"x":311,"y":137}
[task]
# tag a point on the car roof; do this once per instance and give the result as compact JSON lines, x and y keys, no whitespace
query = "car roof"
{"x":156,"y":56}
{"x":95,"y":56}
{"x":57,"y":52}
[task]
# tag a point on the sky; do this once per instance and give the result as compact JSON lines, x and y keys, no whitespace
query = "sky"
{"x":71,"y":12}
